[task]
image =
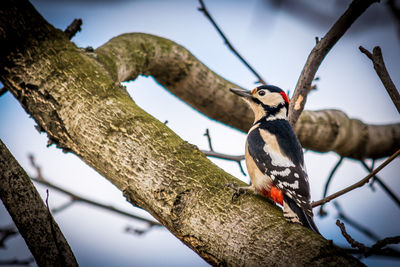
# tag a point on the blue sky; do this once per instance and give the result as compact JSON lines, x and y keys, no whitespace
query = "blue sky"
{"x":276,"y":42}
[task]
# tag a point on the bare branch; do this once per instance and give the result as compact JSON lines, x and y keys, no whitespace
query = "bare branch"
{"x":6,"y":233}
{"x":367,"y":251}
{"x":354,"y":224}
{"x":73,"y":28}
{"x":207,"y":133}
{"x":16,"y":262}
{"x":303,"y":87}
{"x":387,"y":252}
{"x":136,"y":231}
{"x":74,"y":197}
{"x":358,"y":184}
{"x":353,"y":243}
{"x":227,"y":42}
{"x":380,"y":68}
{"x":30,"y":215}
{"x":78,"y":198}
{"x":328,"y":181}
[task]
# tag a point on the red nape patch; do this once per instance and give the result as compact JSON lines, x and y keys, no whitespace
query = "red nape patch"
{"x":275,"y":194}
{"x":285,"y":97}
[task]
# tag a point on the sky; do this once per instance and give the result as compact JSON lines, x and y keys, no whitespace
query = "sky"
{"x":276,"y":40}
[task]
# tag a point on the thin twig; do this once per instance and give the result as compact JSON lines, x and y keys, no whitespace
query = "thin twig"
{"x":16,"y":262}
{"x":353,"y":243}
{"x":73,"y":28}
{"x":75,"y":197}
{"x":303,"y":87}
{"x":367,"y":251}
{"x":387,"y":252}
{"x":207,"y":133}
{"x":371,"y":184}
{"x":137,"y":231}
{"x":227,"y":42}
{"x":362,"y":229}
{"x":380,"y":68}
{"x":214,"y":154}
{"x":328,"y":181}
{"x":94,"y":203}
{"x":6,"y":233}
{"x":382,"y":184}
{"x":223,"y":156}
{"x":358,"y":184}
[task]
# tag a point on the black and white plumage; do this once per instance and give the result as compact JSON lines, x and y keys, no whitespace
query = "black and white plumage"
{"x":274,"y":156}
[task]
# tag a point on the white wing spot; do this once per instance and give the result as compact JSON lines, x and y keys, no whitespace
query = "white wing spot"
{"x":277,"y":159}
{"x":295,"y":185}
{"x":296,"y":175}
{"x":285,"y":172}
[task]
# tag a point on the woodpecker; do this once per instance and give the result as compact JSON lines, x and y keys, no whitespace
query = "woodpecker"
{"x":274,"y":156}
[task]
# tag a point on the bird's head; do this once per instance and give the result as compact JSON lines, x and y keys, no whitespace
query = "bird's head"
{"x":266,"y":101}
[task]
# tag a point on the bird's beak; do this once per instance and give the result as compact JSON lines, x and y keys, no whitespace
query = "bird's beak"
{"x":241,"y":92}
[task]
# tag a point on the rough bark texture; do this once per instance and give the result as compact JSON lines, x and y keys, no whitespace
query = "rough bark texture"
{"x":31,"y":216}
{"x":84,"y":110}
{"x":130,"y":55}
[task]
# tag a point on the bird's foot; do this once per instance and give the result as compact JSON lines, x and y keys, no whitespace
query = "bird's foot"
{"x":238,"y":190}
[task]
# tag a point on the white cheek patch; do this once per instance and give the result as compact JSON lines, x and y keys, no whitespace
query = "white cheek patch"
{"x":272,"y":99}
{"x":278,"y":159}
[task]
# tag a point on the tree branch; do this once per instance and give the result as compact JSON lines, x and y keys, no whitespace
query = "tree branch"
{"x":367,"y":251}
{"x":227,"y":42}
{"x":317,"y":55}
{"x":355,"y":224}
{"x":322,"y":131}
{"x":212,"y":153}
{"x":30,"y":215}
{"x":358,"y":184}
{"x":141,"y":156}
{"x":6,"y":233}
{"x":328,"y":181}
{"x":15,"y":262}
{"x":380,"y":68}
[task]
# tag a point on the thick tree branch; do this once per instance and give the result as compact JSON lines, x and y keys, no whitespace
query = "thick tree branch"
{"x":317,"y":55}
{"x":130,"y":55}
{"x":380,"y":68}
{"x":35,"y":224}
{"x":92,"y":117}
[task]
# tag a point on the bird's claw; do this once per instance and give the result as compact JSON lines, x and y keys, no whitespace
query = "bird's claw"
{"x":238,"y":191}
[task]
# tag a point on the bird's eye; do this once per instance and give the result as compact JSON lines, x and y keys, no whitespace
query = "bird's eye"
{"x":261,"y":93}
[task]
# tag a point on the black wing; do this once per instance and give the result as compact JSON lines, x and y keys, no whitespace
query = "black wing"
{"x":277,"y":153}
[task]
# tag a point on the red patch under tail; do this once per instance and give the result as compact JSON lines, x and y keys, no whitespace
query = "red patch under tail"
{"x":275,"y":194}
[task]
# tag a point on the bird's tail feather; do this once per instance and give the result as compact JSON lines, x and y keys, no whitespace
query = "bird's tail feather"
{"x":296,"y":214}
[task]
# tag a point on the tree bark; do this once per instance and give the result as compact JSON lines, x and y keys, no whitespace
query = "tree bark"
{"x":80,"y":104}
{"x":129,"y":55}
{"x":31,"y":216}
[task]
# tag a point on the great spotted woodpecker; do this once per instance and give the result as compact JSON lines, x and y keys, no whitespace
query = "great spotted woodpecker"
{"x":274,"y":156}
